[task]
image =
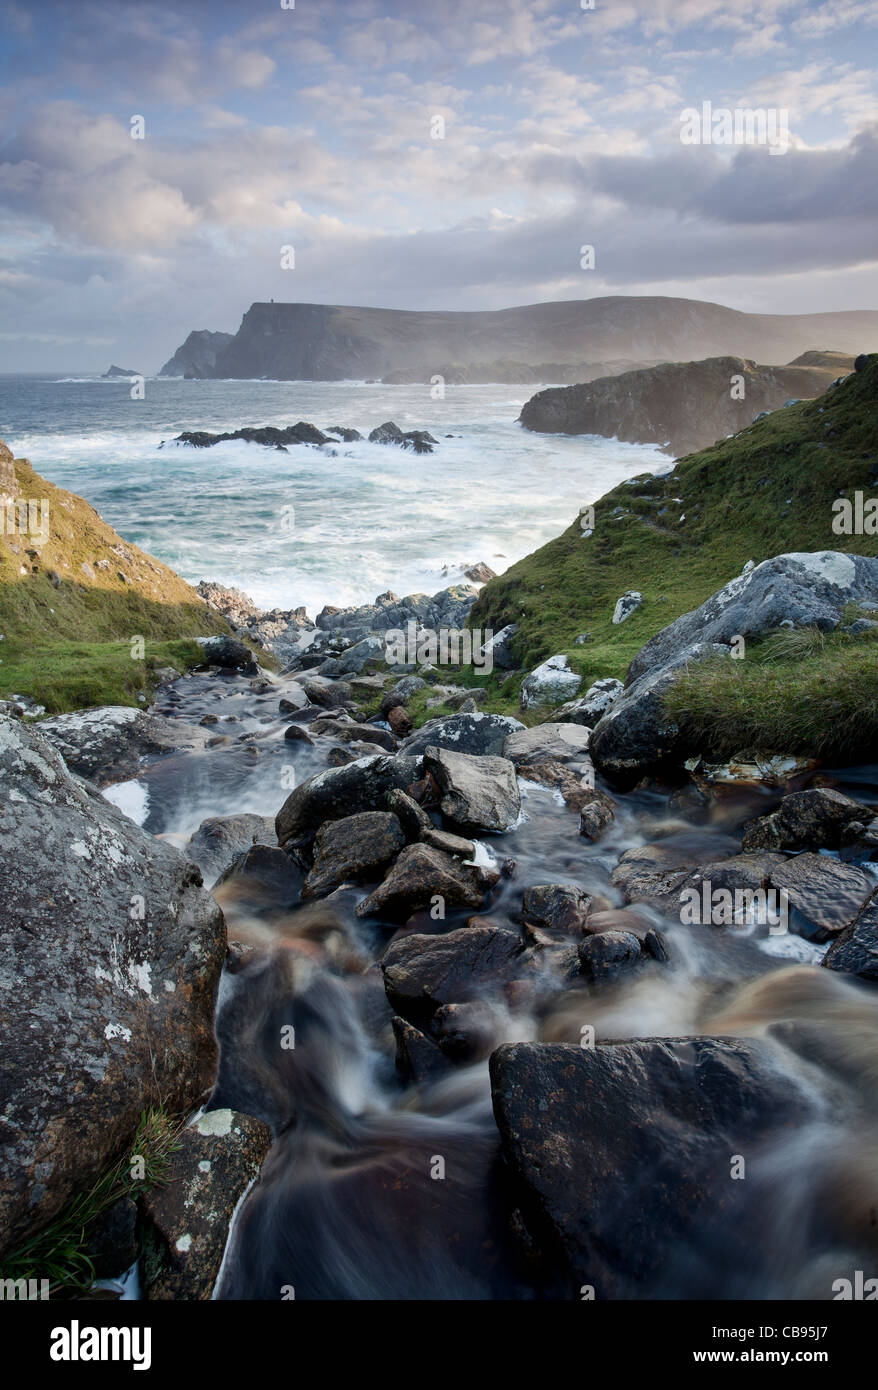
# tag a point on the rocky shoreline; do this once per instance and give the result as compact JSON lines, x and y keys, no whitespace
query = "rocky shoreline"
{"x":474,"y":890}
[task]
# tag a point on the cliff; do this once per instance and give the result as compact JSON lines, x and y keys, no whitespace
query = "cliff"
{"x":323,"y":342}
{"x":683,"y":406}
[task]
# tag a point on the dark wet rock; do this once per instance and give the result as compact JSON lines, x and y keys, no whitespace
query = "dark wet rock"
{"x":348,"y":436}
{"x":400,"y":720}
{"x":328,"y":693}
{"x":422,"y":972}
{"x":111,"y":957}
{"x":419,"y":875}
{"x":812,"y":819}
{"x":353,"y":849}
{"x":824,"y":896}
{"x":297,"y":733}
{"x":412,"y":817}
{"x":477,"y":792}
{"x":465,"y":1032}
{"x":186,"y":1221}
{"x":294,"y":699}
{"x":557,"y":907}
{"x":649,"y":1129}
{"x":608,"y":955}
{"x":476,"y":734}
{"x":418,"y":1059}
{"x":740,"y":874}
{"x":596,"y":816}
{"x":859,"y":842}
{"x":389,"y":433}
{"x":220,"y":840}
{"x":109,"y":744}
{"x":544,"y":742}
{"x":654,"y":874}
{"x":229,"y":653}
{"x":855,"y":950}
{"x":264,"y":879}
{"x":270,"y":435}
{"x":342,"y":791}
{"x":349,"y":731}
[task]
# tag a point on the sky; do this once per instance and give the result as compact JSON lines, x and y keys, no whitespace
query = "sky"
{"x":316,"y":125}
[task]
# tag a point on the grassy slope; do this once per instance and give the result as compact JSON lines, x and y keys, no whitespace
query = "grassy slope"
{"x":67,"y":643}
{"x":759,"y":493}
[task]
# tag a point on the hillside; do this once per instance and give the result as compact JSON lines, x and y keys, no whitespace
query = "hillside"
{"x":681,"y":406}
{"x":72,"y":606}
{"x":325,"y":342}
{"x":678,"y":538}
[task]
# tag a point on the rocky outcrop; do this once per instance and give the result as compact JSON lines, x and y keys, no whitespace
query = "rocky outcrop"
{"x":115,"y":371}
{"x":323,"y":342}
{"x":197,"y":357}
{"x":111,"y":744}
{"x":111,"y":958}
{"x":682,"y":406}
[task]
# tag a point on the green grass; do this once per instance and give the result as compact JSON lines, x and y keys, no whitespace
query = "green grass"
{"x":802,"y":692}
{"x":764,"y":491}
{"x":71,"y":608}
{"x":59,"y":1251}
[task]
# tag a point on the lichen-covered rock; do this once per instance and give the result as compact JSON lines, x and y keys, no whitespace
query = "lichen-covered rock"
{"x":549,"y":683}
{"x":342,"y":791}
{"x":111,"y":956}
{"x":187,"y":1219}
{"x":109,"y":744}
{"x":478,"y":733}
{"x":559,"y":742}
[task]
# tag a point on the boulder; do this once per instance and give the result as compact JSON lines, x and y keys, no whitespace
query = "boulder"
{"x":477,"y":733}
{"x":353,"y":849}
{"x":497,"y":651}
{"x":420,"y":874}
{"x":220,"y":840}
{"x":824,"y":896}
{"x":349,"y":731}
{"x":799,"y":589}
{"x":110,"y":744}
{"x":557,"y":907}
{"x":560,"y":742}
{"x":626,"y":605}
{"x":228,"y":652}
{"x":812,"y":819}
{"x":477,"y":792}
{"x":422,"y":972}
{"x":186,"y":1220}
{"x":609,"y":955}
{"x":855,"y":950}
{"x":342,"y":791}
{"x":112,"y":953}
{"x":549,"y":683}
{"x":595,"y":702}
{"x":621,"y":1156}
{"x":596,"y":816}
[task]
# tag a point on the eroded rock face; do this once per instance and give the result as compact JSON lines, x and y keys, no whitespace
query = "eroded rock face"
{"x":647,"y":1129}
{"x":111,"y":955}
{"x":481,"y":793}
{"x":108,"y":745}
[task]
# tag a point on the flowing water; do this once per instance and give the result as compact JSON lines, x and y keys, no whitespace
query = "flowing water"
{"x":346,"y":1207}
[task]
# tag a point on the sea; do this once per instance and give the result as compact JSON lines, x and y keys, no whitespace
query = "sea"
{"x":333,"y":524}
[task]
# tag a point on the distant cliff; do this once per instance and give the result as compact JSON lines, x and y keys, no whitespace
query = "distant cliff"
{"x":323,"y":342}
{"x":682,"y":406}
{"x":197,"y":357}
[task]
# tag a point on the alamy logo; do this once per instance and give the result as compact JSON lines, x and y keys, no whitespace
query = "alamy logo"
{"x":75,"y":1343}
{"x":26,"y":517}
{"x":856,"y":516}
{"x":449,"y":646}
{"x":707,"y":906}
{"x":23,"y":1290}
{"x":858,"y":1289}
{"x":741,"y":126}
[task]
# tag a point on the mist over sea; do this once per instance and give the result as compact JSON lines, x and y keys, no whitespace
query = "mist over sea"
{"x":364,"y":518}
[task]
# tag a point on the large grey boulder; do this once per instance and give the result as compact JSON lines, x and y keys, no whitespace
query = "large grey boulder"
{"x":110,"y":744}
{"x":800,"y":589}
{"x":601,"y":694}
{"x":110,"y":956}
{"x":342,"y":791}
{"x":556,"y":742}
{"x":476,"y":733}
